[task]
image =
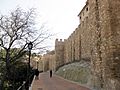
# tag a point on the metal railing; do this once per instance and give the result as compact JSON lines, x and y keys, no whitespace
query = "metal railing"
{"x":26,"y":84}
{"x":22,"y":87}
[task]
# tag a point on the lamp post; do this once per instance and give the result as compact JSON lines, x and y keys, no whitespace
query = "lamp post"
{"x":30,"y":46}
{"x":0,"y":83}
{"x":0,"y":73}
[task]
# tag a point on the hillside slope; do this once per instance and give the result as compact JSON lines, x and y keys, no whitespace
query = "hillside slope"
{"x":78,"y":72}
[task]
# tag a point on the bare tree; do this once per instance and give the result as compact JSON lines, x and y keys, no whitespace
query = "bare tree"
{"x":16,"y":31}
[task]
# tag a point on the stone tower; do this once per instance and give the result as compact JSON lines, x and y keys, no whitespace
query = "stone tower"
{"x":59,"y":53}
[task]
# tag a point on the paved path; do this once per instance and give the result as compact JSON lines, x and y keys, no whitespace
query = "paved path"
{"x":54,"y":83}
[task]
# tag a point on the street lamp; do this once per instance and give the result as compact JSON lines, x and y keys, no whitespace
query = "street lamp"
{"x":30,"y":46}
{"x":0,"y":83}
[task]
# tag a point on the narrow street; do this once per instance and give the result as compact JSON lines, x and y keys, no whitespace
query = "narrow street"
{"x":54,"y":83}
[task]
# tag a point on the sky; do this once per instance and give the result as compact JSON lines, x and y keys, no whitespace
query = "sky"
{"x":60,"y":16}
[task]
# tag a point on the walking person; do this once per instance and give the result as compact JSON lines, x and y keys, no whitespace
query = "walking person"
{"x":50,"y":73}
{"x":37,"y":73}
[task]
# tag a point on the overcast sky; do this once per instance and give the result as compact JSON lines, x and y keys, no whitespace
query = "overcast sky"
{"x":60,"y":15}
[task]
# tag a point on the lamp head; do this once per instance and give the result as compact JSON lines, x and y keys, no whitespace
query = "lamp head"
{"x":30,"y":45}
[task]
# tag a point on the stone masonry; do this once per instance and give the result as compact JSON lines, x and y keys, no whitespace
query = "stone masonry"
{"x":97,"y":39}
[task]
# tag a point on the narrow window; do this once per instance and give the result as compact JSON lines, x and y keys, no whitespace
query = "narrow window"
{"x":80,"y":17}
{"x":87,"y":19}
{"x":87,"y":9}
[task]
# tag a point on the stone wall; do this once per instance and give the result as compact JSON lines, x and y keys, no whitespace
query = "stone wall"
{"x":48,"y":61}
{"x":97,"y":39}
{"x":109,"y":12}
{"x":78,"y":44}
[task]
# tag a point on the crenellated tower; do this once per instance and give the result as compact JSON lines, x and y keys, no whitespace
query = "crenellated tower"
{"x":59,"y":52}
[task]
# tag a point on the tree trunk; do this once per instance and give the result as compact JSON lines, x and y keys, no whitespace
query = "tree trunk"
{"x":8,"y":74}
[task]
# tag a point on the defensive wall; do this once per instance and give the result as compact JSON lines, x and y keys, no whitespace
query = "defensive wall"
{"x":97,"y":39}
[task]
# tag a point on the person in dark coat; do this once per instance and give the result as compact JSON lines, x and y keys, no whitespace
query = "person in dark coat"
{"x":50,"y":73}
{"x":37,"y":73}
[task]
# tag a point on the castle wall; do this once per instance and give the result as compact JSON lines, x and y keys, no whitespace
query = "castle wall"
{"x":45,"y":61}
{"x":73,"y":46}
{"x":48,"y":61}
{"x":110,"y":33}
{"x":68,"y":47}
{"x":97,"y":39}
{"x":85,"y":35}
{"x":104,"y":17}
{"x":77,"y":45}
{"x":93,"y":27}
